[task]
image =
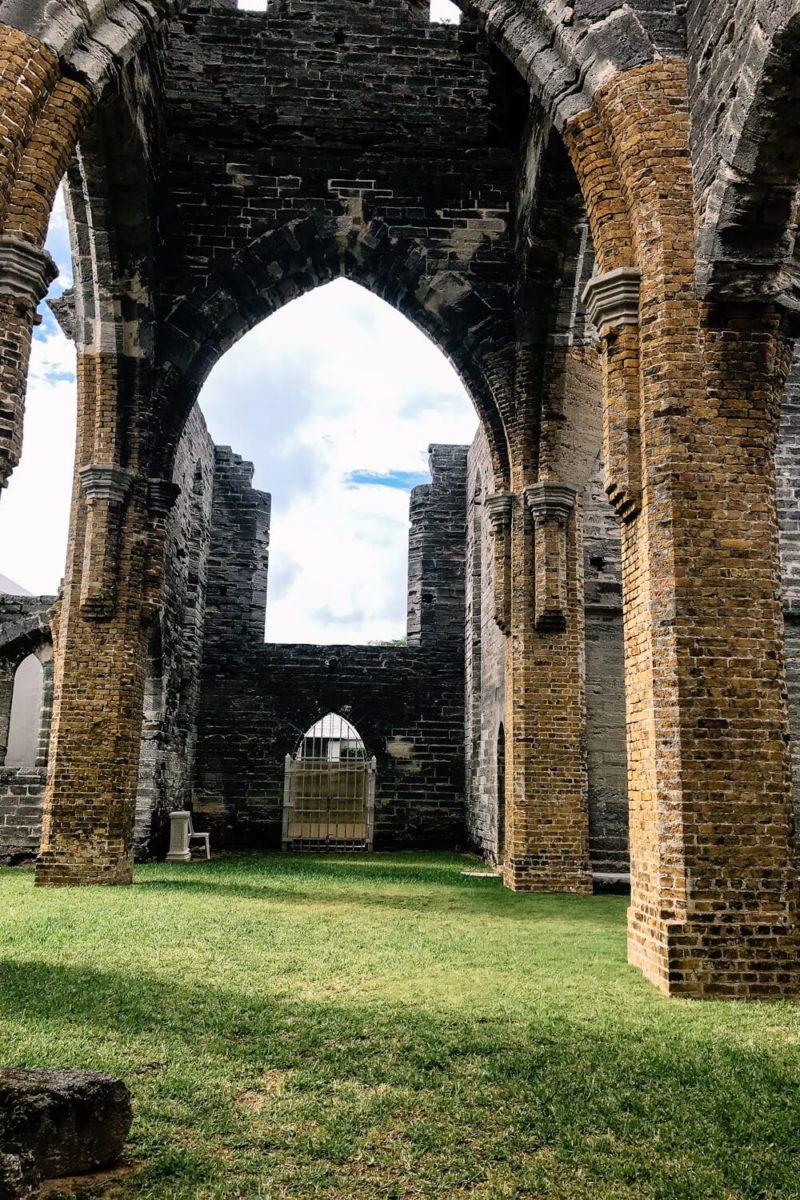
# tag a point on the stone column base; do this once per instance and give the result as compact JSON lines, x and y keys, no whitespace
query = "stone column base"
{"x":53,"y":872}
{"x":533,"y":874}
{"x":721,"y":957}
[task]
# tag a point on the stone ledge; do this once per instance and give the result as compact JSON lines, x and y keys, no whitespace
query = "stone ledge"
{"x":612,"y":299}
{"x":25,"y":271}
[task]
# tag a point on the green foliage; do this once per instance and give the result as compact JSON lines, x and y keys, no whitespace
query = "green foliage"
{"x":385,"y":1028}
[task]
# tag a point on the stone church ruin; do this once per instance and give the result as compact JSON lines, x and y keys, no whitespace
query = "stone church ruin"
{"x":590,"y":208}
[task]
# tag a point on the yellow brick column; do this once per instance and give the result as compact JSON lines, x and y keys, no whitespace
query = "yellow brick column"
{"x":110,"y":592}
{"x":692,"y":397}
{"x":547,"y":821}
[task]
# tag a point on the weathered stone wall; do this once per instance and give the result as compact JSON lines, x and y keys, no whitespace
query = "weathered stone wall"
{"x":169,"y":729}
{"x":436,"y":555}
{"x":269,"y":144}
{"x":236,"y":600}
{"x":728,"y":44}
{"x":484,"y":667}
{"x":406,"y":702}
{"x":268,"y":191}
{"x":21,"y":793}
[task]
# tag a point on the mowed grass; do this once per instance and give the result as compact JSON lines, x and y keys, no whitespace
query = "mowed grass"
{"x":360,"y":1028}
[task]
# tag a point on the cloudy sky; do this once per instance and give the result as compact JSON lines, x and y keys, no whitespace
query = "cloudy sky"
{"x":441,"y":10}
{"x":335,"y":399}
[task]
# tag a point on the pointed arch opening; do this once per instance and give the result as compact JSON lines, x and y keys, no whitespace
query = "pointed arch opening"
{"x":501,"y":794}
{"x":336,"y":398}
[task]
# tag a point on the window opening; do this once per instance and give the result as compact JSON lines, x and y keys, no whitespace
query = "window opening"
{"x":444,"y":12}
{"x":26,"y":714}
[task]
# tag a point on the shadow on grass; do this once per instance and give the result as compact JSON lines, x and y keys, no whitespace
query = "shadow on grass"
{"x":368,"y":869}
{"x":657,"y":1109}
{"x":489,"y":898}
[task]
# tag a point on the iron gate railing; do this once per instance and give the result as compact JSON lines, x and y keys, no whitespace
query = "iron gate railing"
{"x":329,"y":790}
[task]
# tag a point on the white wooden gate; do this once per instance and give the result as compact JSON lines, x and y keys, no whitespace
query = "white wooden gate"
{"x":329,"y":790}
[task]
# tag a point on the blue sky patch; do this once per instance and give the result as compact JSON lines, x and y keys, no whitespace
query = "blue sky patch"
{"x":401,"y":481}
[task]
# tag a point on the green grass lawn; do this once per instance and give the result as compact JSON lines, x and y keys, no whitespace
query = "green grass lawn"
{"x":385,"y":1028}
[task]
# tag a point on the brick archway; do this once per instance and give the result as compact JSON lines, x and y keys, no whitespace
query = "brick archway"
{"x":285,"y":263}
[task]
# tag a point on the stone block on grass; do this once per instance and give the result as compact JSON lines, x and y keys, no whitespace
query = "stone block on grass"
{"x":58,"y":1122}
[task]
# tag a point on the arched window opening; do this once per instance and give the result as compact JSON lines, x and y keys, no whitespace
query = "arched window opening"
{"x":26,"y":714}
{"x":332,"y":739}
{"x":338,"y":399}
{"x":501,"y":795}
{"x":329,"y":790}
{"x":444,"y":12}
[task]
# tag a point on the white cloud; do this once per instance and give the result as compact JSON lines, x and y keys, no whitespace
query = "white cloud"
{"x":337,"y":382}
{"x":34,"y":510}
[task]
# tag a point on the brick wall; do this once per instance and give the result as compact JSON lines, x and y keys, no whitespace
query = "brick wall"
{"x":255,"y":106}
{"x":788,"y":476}
{"x":21,"y":793}
{"x":268,"y":191}
{"x":24,"y":630}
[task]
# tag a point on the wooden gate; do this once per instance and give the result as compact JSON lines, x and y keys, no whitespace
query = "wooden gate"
{"x":329,"y":790}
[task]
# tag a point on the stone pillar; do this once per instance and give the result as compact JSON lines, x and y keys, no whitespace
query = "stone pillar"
{"x":179,"y":850}
{"x":498,"y":508}
{"x":100,"y":647}
{"x":612,"y":305}
{"x":105,"y":488}
{"x":551,"y":506}
{"x":161,"y":497}
{"x":692,"y":395}
{"x":25,"y":275}
{"x":547,"y":820}
{"x":714,"y":890}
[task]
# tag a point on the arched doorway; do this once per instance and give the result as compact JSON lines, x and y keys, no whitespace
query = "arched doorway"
{"x":329,"y":789}
{"x":501,"y":795}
